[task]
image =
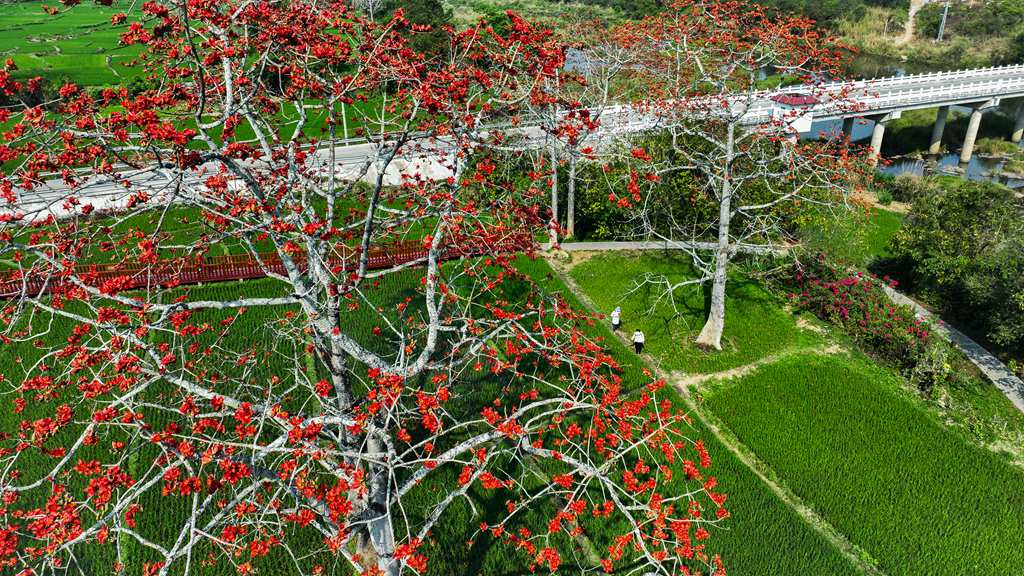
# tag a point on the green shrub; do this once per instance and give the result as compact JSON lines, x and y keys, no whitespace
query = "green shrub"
{"x":996,"y":146}
{"x":963,"y":244}
{"x":906,"y":187}
{"x":857,"y":303}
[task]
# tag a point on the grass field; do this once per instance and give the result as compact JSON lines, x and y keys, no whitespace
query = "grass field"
{"x":917,"y":496}
{"x":882,"y":226}
{"x":756,"y":325}
{"x":77,"y":44}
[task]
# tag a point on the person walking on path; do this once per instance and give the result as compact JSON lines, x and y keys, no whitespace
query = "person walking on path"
{"x":616,"y":318}
{"x":638,"y":341}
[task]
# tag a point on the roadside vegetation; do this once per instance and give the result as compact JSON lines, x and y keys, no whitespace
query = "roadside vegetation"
{"x":960,"y":252}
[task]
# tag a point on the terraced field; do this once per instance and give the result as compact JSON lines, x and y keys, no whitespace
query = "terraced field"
{"x":78,"y":44}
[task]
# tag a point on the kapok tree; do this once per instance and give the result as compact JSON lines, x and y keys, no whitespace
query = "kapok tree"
{"x":715,"y":130}
{"x":394,"y":366}
{"x":591,"y":88}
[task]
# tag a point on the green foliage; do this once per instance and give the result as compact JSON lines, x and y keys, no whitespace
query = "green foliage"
{"x":917,"y":496}
{"x":855,"y":237}
{"x":824,"y":11}
{"x":630,"y":8}
{"x":432,"y":13}
{"x":681,"y":199}
{"x":912,"y":131}
{"x":996,"y":147}
{"x":904,"y":187}
{"x":857,"y":303}
{"x":677,"y":198}
{"x":843,"y":238}
{"x":963,"y":246}
{"x":974,"y":20}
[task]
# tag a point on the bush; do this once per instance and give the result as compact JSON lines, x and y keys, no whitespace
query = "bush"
{"x":973,"y":20}
{"x":904,"y":187}
{"x":962,"y":245}
{"x":857,"y":303}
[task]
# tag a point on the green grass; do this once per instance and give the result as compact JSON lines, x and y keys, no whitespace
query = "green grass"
{"x":882,"y":226}
{"x":755,"y":325}
{"x":917,"y":496}
{"x":763,"y":535}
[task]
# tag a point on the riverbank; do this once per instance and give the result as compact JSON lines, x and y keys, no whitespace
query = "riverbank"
{"x":879,"y":35}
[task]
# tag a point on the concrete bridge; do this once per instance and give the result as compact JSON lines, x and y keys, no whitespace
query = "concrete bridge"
{"x":880,"y":100}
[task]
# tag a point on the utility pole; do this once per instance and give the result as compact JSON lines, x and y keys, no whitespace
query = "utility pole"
{"x":942,"y":25}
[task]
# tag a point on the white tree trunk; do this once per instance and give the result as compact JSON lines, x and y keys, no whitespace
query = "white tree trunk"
{"x":711,"y":334}
{"x":554,"y":192}
{"x":380,"y":528}
{"x":570,"y":201}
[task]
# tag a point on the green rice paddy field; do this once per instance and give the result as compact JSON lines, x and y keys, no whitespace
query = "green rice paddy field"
{"x":891,"y":477}
{"x":78,"y":44}
{"x":843,"y":434}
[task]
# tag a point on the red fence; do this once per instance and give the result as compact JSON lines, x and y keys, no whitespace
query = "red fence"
{"x":240,"y":267}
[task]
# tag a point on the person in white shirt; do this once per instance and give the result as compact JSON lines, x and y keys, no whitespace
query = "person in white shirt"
{"x":638,"y":341}
{"x":616,"y":318}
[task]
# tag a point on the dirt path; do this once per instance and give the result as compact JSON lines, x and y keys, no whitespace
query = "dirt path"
{"x":689,"y":381}
{"x":908,"y":28}
{"x":685,"y":383}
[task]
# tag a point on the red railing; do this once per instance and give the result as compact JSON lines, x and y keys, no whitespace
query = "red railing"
{"x":182,"y":271}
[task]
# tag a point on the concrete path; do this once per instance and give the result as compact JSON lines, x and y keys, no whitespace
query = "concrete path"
{"x":990,"y":366}
{"x":666,"y":245}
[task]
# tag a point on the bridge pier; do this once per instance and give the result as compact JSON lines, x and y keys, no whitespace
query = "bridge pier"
{"x":848,"y":127}
{"x":878,"y":134}
{"x":972,"y":128}
{"x":1018,"y":125}
{"x":972,"y":134}
{"x":937,"y":129}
